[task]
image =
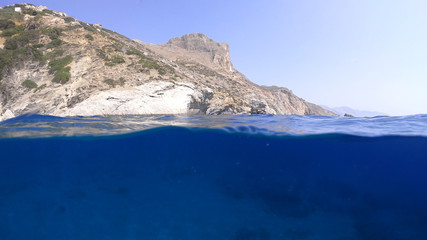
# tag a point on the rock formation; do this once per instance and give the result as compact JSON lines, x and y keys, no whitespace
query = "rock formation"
{"x":53,"y":64}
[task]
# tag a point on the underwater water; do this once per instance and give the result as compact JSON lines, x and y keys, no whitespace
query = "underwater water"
{"x":213,"y":177}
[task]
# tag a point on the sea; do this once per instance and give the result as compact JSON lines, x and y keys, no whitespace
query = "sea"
{"x":237,"y":177}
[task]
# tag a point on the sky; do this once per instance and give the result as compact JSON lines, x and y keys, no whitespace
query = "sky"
{"x":368,"y":55}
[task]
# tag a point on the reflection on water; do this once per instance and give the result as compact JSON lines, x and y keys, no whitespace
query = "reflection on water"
{"x":46,"y":126}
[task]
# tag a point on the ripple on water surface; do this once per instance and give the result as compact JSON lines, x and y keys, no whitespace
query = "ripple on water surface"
{"x":46,"y":126}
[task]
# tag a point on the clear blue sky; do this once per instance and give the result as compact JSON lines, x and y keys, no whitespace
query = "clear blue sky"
{"x":369,"y":55}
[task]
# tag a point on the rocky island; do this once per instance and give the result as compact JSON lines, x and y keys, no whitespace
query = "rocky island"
{"x":54,"y":64}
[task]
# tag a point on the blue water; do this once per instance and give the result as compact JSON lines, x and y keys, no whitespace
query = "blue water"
{"x":224,"y":177}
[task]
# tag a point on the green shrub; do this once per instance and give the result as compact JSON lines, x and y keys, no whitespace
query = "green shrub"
{"x":38,"y":45}
{"x":169,"y":69}
{"x":53,"y":33}
{"x":117,"y":47}
{"x":53,"y":55}
{"x":41,"y":87}
{"x":117,"y":60}
{"x":27,"y":53}
{"x":113,"y":61}
{"x":121,"y":81}
{"x":90,"y":37}
{"x":11,"y":44}
{"x":6,"y":58}
{"x":134,"y":52}
{"x":72,"y":27}
{"x":110,"y":82}
{"x":28,"y":36}
{"x":12,"y":31}
{"x":62,"y":73}
{"x":68,"y":19}
{"x":62,"y":76}
{"x":47,"y":11}
{"x":54,"y":43}
{"x":153,"y":64}
{"x":161,"y":71}
{"x":101,"y":53}
{"x":17,"y":49}
{"x":114,"y":83}
{"x":22,"y":39}
{"x":6,"y":24}
{"x":149,"y":64}
{"x":29,"y":84}
{"x":58,"y":64}
{"x":9,"y":13}
{"x":37,"y":55}
{"x":88,"y":27}
{"x":30,"y":12}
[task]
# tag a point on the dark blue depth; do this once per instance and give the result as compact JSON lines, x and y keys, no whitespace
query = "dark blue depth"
{"x":177,"y":183}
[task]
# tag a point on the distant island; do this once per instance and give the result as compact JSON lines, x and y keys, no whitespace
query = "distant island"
{"x":54,"y":64}
{"x":354,"y":112}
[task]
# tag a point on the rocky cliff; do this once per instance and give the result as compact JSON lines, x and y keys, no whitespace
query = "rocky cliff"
{"x":53,"y":64}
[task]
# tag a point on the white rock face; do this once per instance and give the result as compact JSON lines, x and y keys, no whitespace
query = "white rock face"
{"x":37,"y":8}
{"x":158,"y":97}
{"x":7,"y":115}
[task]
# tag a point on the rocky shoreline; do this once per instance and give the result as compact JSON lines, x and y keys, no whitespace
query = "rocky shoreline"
{"x":53,"y":64}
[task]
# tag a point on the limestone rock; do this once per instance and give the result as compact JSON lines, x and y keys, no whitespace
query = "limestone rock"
{"x":7,"y":115}
{"x":157,"y":97}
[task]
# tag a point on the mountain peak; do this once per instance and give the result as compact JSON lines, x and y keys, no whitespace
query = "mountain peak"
{"x":198,"y":42}
{"x":218,"y":53}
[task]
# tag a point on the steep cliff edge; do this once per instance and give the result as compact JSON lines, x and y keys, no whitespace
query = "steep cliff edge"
{"x":53,"y":64}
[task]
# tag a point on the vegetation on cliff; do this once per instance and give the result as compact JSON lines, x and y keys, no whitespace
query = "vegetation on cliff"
{"x":61,"y":72}
{"x":29,"y":84}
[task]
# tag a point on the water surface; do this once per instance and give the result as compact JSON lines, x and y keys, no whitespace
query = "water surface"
{"x":226,"y":177}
